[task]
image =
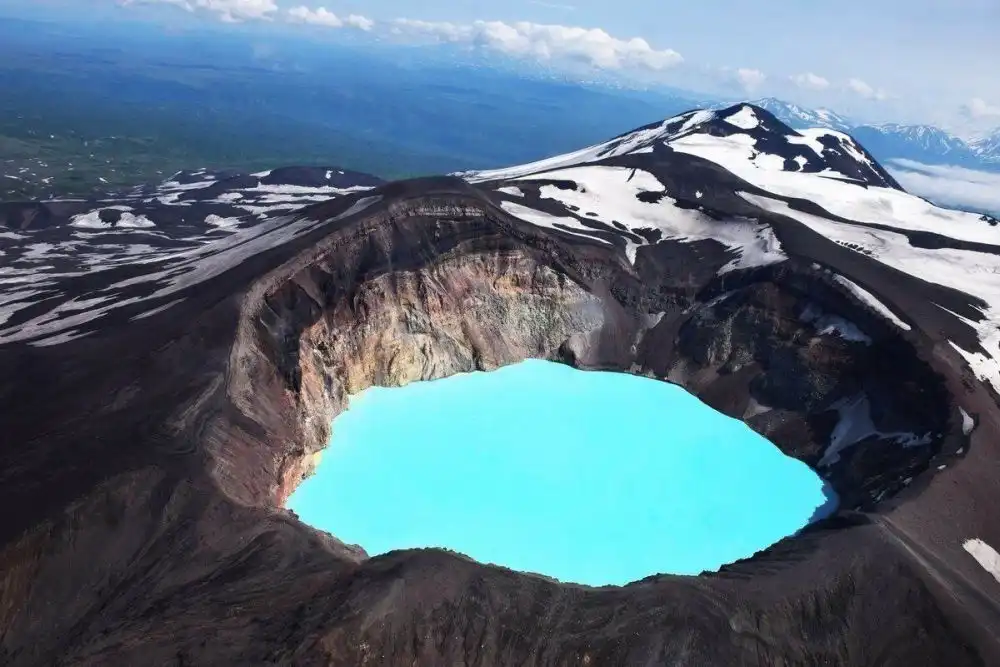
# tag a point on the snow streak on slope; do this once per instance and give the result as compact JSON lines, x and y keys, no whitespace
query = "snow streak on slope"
{"x":138,"y":248}
{"x":870,"y":299}
{"x":611,"y":194}
{"x":64,"y":238}
{"x":168,"y":275}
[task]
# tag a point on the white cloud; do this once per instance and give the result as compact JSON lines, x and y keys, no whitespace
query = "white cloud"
{"x":865,"y":90}
{"x":554,"y":5}
{"x":183,"y":4}
{"x":322,"y":16}
{"x":750,"y":79}
{"x":980,"y":108}
{"x":319,"y":16}
{"x":359,"y":22}
{"x":950,"y":186}
{"x":231,"y":11}
{"x":590,"y":45}
{"x":449,"y":32}
{"x":810,"y":81}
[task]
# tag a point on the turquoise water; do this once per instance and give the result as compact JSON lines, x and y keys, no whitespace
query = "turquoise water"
{"x":589,"y":477}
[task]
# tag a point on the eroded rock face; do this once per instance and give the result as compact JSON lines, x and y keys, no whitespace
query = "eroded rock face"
{"x":748,"y":347}
{"x":174,"y":548}
{"x":462,"y":314}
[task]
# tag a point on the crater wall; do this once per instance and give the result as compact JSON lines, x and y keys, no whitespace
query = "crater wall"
{"x":151,"y":529}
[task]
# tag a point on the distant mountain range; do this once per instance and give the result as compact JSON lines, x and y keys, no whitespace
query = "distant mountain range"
{"x":888,"y":141}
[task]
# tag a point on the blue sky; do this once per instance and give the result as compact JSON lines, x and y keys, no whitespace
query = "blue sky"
{"x":903,"y":60}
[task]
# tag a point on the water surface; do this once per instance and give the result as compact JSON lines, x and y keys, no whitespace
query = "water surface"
{"x":589,"y":477}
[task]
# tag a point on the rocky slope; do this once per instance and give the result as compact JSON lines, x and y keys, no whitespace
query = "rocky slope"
{"x":162,"y":399}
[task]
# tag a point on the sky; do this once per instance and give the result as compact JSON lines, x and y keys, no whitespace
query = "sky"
{"x":910,"y":61}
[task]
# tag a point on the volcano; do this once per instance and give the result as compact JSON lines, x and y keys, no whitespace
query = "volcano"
{"x":172,"y":357}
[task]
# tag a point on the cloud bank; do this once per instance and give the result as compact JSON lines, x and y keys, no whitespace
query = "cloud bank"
{"x":750,"y":79}
{"x":949,"y":186}
{"x":324,"y":17}
{"x":810,"y":81}
{"x":230,"y":11}
{"x":980,"y":108}
{"x":865,"y":90}
{"x":590,"y":45}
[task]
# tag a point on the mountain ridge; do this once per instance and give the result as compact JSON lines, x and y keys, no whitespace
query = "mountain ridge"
{"x":988,"y":148}
{"x":921,"y":142}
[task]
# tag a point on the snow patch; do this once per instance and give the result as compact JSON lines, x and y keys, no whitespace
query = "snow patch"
{"x":826,"y":324}
{"x":130,"y":221}
{"x":985,"y":555}
{"x":872,"y":301}
{"x":89,"y":220}
{"x":37,"y":251}
{"x":176,"y":187}
{"x":855,"y":424}
{"x":968,"y":423}
{"x":984,"y":367}
{"x":542,"y":219}
{"x":744,"y":119}
{"x":305,"y":189}
{"x":808,"y":137}
{"x":220,"y":222}
{"x":696,"y":119}
{"x":154,"y":311}
{"x":769,"y":161}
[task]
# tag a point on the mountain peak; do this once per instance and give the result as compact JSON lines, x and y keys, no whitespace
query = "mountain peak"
{"x":798,"y":116}
{"x":988,"y":148}
{"x":892,"y":140}
{"x":744,"y":131}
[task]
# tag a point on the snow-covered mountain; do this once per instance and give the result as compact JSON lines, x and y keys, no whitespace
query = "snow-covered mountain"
{"x":988,"y":148}
{"x":923,"y":143}
{"x":797,"y":116}
{"x":717,"y":174}
{"x":888,"y":141}
{"x":737,"y":179}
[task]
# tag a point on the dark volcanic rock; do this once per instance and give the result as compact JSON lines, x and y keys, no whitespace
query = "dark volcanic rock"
{"x":151,"y":439}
